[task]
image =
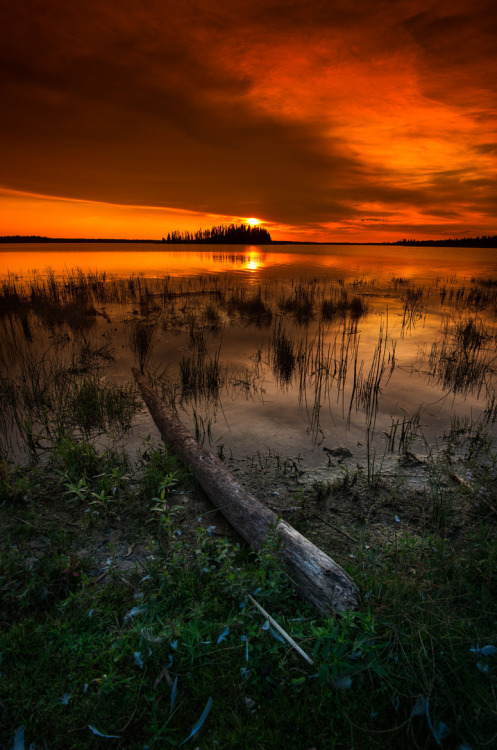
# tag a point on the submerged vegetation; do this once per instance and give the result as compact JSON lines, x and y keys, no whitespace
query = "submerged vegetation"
{"x":126,"y":615}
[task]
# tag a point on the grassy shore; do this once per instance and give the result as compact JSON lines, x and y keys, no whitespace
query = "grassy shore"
{"x":125,"y":613}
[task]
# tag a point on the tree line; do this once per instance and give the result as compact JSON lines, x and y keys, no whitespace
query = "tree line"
{"x":233,"y":234}
{"x":484,"y":241}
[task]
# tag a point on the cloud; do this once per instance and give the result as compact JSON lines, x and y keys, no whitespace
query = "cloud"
{"x":306,"y":112}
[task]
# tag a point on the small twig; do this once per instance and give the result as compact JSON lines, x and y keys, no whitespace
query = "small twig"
{"x":462,"y":481}
{"x":337,"y":528}
{"x":165,"y":674}
{"x":26,"y":522}
{"x":280,"y":630}
{"x":128,"y":583}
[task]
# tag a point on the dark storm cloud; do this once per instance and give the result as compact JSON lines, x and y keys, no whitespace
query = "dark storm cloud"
{"x":135,"y":120}
{"x":486,"y":148}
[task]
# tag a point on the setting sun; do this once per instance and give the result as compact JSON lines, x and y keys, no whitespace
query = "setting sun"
{"x":253,"y":222}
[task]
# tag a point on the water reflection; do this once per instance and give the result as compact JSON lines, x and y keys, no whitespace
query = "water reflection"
{"x":289,"y":351}
{"x":255,"y":259}
{"x":249,"y":260}
{"x":286,"y":261}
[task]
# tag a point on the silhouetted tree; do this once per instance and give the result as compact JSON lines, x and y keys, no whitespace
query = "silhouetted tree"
{"x":234,"y":234}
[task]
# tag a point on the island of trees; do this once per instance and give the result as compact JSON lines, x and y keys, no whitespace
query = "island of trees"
{"x":232,"y":234}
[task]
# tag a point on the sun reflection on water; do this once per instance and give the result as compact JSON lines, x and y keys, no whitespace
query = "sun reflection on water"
{"x":253,"y":260}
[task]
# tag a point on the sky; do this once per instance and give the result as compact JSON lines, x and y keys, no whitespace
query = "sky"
{"x":325,"y":119}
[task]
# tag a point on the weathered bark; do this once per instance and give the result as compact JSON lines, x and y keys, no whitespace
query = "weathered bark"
{"x":320,"y":580}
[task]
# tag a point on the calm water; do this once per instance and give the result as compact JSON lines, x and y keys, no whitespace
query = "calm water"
{"x":353,"y":381}
{"x":255,"y":263}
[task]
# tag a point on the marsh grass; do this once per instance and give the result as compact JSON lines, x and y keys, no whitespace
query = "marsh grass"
{"x":403,"y":433}
{"x":213,"y":316}
{"x":283,"y":356}
{"x":299,"y":302}
{"x":141,"y":335}
{"x":413,"y":307}
{"x":462,"y":360}
{"x":61,"y":387}
{"x":317,"y":370}
{"x":470,"y":334}
{"x":309,"y":330}
{"x":249,"y":307}
{"x":342,"y":305}
{"x":86,"y":355}
{"x":94,"y":405}
{"x":368,"y":390}
{"x":201,"y":377}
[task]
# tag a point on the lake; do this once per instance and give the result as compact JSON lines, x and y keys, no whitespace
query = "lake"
{"x":309,"y":353}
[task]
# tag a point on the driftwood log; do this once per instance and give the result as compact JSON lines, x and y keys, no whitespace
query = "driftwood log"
{"x":319,"y":579}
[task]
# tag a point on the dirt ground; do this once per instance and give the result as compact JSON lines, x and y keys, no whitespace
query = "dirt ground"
{"x":334,"y":506}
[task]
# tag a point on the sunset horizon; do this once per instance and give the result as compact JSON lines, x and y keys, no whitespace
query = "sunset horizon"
{"x":322,"y":123}
{"x":489,"y":240}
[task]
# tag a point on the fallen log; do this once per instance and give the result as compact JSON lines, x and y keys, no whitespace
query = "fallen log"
{"x":319,"y":579}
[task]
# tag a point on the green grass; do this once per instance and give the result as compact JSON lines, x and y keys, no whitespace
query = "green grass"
{"x":139,"y":652}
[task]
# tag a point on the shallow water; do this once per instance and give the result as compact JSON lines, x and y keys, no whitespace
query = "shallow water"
{"x":354,"y":382}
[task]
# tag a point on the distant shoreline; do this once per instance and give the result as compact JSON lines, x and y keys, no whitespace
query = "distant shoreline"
{"x":489,"y":242}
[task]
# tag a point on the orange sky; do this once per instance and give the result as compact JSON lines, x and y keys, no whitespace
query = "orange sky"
{"x":326,"y":119}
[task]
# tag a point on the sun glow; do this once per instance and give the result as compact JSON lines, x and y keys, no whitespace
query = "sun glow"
{"x":254,"y":260}
{"x":27,"y":213}
{"x":253,"y":222}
